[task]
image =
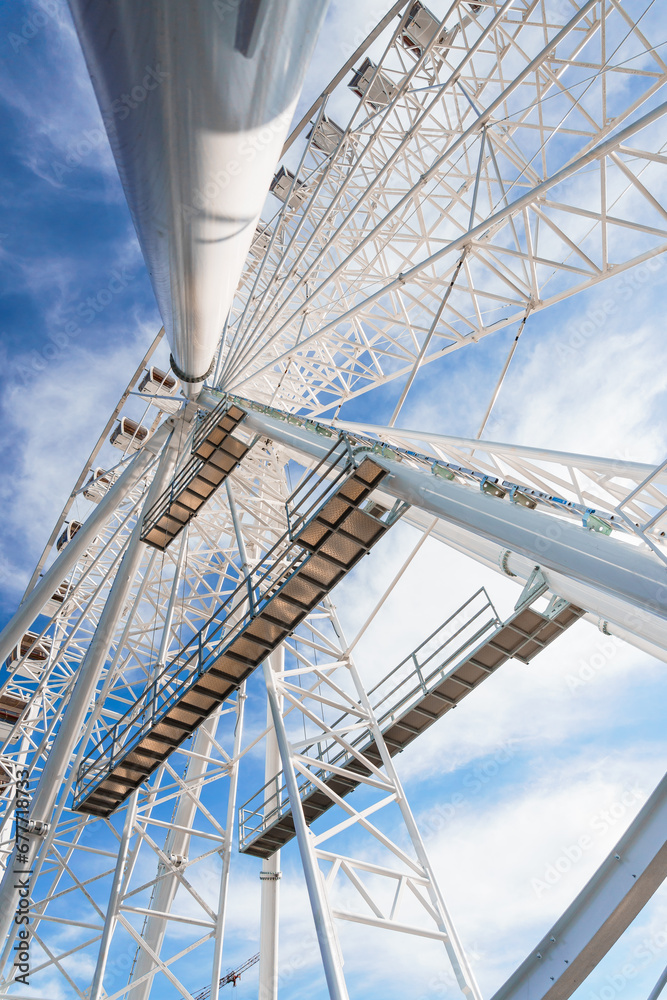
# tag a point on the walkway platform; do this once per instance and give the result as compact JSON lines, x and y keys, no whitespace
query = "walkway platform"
{"x":466,"y":649}
{"x":328,"y":534}
{"x":216,"y":453}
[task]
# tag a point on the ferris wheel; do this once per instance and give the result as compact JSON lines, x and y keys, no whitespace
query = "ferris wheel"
{"x":181,"y":705}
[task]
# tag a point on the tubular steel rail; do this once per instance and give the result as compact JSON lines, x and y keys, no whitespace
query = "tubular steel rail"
{"x":602,"y":521}
{"x":263,"y":609}
{"x":462,"y":652}
{"x":216,"y":453}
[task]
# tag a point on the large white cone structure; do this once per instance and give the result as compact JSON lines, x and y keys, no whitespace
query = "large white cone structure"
{"x":196,"y":98}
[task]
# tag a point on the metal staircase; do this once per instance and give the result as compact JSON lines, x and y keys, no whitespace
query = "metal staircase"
{"x":328,"y":533}
{"x":216,"y":453}
{"x":455,"y":659}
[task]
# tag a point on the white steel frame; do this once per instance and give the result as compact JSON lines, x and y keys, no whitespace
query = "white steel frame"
{"x":510,"y":169}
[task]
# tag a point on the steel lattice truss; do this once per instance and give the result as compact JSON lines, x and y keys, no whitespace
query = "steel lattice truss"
{"x":199,"y":573}
{"x":630,"y":497}
{"x":522,"y":162}
{"x":514,"y":161}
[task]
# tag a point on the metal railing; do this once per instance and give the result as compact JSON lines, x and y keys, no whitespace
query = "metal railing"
{"x":403,"y":687}
{"x":248,"y":599}
{"x":173,"y":491}
{"x":318,"y":486}
{"x":210,"y":421}
{"x":187,"y":473}
{"x":244,"y":603}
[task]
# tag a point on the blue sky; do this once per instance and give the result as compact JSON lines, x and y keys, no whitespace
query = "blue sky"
{"x":507,"y":784}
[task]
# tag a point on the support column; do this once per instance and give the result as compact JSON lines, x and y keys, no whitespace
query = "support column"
{"x":18,"y":625}
{"x":114,"y":899}
{"x":326,"y":934}
{"x":457,"y":956}
{"x":270,"y":874}
{"x":228,"y":845}
{"x":89,"y":672}
{"x":177,"y":845}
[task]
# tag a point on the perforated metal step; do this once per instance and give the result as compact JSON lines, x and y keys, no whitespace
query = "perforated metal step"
{"x":301,"y":569}
{"x":412,"y":703}
{"x":216,"y":453}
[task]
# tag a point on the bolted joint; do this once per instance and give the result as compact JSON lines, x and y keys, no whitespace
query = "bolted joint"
{"x":37,"y":826}
{"x":502,"y":562}
{"x":184,"y":377}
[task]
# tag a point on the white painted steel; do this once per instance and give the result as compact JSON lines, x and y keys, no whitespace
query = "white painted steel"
{"x":326,"y":934}
{"x":603,"y":563}
{"x":346,"y":713}
{"x":65,"y":561}
{"x":97,"y":987}
{"x":70,"y":730}
{"x":448,"y":444}
{"x":626,"y":623}
{"x":439,"y":187}
{"x":177,"y":844}
{"x":634,"y":869}
{"x":197,"y":99}
{"x":659,"y":987}
{"x":605,"y":575}
{"x":228,"y":845}
{"x":446,"y":178}
{"x":270,"y":884}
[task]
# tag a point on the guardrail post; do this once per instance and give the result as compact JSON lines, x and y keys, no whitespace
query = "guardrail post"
{"x":419,"y":673}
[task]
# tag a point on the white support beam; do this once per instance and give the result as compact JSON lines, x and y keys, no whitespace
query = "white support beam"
{"x":177,"y":845}
{"x":607,"y":576}
{"x":72,"y":723}
{"x":625,"y":881}
{"x":228,"y":845}
{"x":605,"y":466}
{"x":506,"y":563}
{"x":324,"y":928}
{"x":269,"y":919}
{"x":17,"y":626}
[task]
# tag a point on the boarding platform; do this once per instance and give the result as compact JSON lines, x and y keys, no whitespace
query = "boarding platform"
{"x":215,"y":453}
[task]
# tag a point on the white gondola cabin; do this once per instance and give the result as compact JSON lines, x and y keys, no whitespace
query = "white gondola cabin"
{"x":378,"y":91}
{"x":128,"y":435}
{"x":260,"y":243}
{"x":98,"y":484}
{"x":326,"y":135}
{"x":68,"y":534}
{"x":56,"y":601}
{"x":158,"y":383}
{"x":420,"y":27}
{"x":280,"y":187}
{"x":31,"y":654}
{"x":11,"y":709}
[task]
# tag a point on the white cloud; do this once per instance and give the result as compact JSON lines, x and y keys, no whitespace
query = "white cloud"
{"x":539,"y":752}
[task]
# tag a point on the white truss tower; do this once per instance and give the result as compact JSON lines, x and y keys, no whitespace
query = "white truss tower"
{"x":509,"y":158}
